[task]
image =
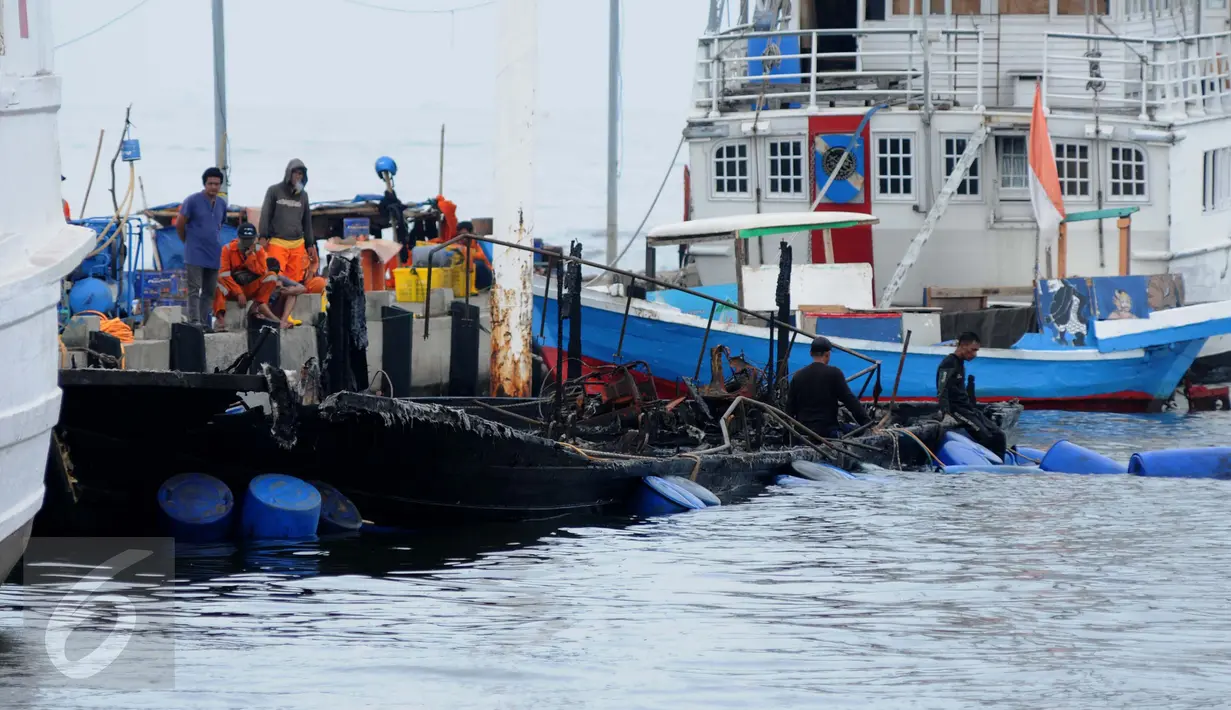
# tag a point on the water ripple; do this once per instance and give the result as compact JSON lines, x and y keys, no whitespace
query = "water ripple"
{"x":920,"y":591}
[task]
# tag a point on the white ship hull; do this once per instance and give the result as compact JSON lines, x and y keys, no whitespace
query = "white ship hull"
{"x":29,"y":393}
{"x":38,"y":250}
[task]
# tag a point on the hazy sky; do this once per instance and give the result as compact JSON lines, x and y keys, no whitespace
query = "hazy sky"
{"x":337,"y":84}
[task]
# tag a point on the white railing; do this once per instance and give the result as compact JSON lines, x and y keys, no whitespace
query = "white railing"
{"x":887,"y":65}
{"x":1163,"y":79}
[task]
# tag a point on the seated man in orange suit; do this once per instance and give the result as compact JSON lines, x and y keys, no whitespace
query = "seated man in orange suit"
{"x":244,"y":278}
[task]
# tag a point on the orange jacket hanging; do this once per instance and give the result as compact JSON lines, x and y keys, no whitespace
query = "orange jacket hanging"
{"x":448,"y":211}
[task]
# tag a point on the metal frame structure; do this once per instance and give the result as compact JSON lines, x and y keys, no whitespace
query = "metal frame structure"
{"x":771,"y":322}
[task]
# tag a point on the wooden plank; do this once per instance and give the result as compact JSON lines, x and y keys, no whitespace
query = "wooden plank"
{"x":1112,"y":213}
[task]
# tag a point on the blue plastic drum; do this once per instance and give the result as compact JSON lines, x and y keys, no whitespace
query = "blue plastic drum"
{"x":992,"y":468}
{"x":816,"y":471}
{"x":279,"y":507}
{"x":1211,"y":462}
{"x":953,"y":437}
{"x":196,"y":507}
{"x":1066,"y":457}
{"x":698,"y":491}
{"x":338,"y":513}
{"x":657,"y":496}
{"x":1024,"y":456}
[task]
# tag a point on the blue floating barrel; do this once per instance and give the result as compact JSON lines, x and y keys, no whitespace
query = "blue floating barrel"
{"x":954,"y":443}
{"x":1209,"y":462}
{"x":338,"y":513}
{"x":698,"y":491}
{"x":196,"y":507}
{"x":784,"y":479}
{"x":992,"y":468}
{"x":1024,"y":456}
{"x":279,"y":507}
{"x":1066,"y":457}
{"x":656,"y":496}
{"x":816,"y":471}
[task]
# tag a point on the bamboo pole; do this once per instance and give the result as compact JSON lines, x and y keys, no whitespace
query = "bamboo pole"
{"x":97,"y":152}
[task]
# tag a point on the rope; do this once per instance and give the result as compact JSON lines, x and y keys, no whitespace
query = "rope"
{"x":696,"y":467}
{"x":111,"y":326}
{"x":105,"y":25}
{"x":919,"y":441}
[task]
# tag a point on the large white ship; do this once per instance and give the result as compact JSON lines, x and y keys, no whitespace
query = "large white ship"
{"x":39,"y":248}
{"x":1138,"y":104}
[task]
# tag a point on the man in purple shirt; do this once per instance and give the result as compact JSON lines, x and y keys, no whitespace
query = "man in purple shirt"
{"x":199,"y":225}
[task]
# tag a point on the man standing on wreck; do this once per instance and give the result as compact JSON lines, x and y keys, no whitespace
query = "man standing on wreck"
{"x":286,"y":220}
{"x":199,"y":225}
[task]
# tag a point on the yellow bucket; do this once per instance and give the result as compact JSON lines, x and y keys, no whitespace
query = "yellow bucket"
{"x":410,"y":283}
{"x":459,"y":282}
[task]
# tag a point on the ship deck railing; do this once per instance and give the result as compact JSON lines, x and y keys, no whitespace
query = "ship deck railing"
{"x":887,"y":65}
{"x":1156,"y":78}
{"x":1152,"y":79}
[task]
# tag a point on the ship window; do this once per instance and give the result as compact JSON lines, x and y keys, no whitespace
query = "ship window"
{"x":1012,"y":162}
{"x":954,"y":146}
{"x":895,"y":166}
{"x":731,"y":169}
{"x":786,"y":168}
{"x":903,"y":7}
{"x":1217,"y":179}
{"x":1025,"y":7}
{"x":1126,"y":173}
{"x":1078,"y":7}
{"x":1073,"y":169}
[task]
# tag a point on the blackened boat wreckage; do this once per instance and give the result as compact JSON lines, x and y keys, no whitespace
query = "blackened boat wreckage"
{"x":582,"y":445}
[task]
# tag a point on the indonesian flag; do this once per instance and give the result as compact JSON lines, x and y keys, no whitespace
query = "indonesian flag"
{"x":1045,"y":194}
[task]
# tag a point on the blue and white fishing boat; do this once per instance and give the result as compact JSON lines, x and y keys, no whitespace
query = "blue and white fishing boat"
{"x":1127,"y":361}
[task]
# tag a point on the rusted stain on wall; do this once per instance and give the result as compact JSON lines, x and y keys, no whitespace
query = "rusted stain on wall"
{"x":512,"y":323}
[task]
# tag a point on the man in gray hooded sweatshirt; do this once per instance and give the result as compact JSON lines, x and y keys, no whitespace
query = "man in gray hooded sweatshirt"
{"x":286,"y":220}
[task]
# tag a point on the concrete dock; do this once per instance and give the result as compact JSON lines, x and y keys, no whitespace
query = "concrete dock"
{"x":430,"y":358}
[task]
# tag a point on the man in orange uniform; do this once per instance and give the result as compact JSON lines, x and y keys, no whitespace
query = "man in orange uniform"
{"x":286,"y":221}
{"x":243,"y":277}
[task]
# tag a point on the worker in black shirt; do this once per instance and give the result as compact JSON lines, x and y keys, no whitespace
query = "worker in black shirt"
{"x":817,"y":390}
{"x":956,"y":402}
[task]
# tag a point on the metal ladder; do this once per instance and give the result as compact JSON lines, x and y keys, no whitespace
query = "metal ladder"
{"x":974,"y":145}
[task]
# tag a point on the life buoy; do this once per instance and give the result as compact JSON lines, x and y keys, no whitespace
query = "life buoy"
{"x":848,"y":184}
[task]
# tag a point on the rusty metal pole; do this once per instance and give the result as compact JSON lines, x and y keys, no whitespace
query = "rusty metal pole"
{"x":511,"y":295}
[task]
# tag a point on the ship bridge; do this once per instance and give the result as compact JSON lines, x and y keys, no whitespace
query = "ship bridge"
{"x":922,"y":119}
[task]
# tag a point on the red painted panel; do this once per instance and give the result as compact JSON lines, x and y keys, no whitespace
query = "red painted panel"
{"x":23,"y":20}
{"x":852,"y":245}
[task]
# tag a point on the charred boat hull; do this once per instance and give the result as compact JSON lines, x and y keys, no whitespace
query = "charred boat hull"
{"x":405,"y":463}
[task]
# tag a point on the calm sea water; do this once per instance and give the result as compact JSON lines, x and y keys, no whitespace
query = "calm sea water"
{"x":920,"y":591}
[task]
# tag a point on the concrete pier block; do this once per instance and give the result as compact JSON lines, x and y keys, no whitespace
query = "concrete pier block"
{"x":307,"y":307}
{"x":158,"y":325}
{"x":235,"y":316}
{"x":73,"y":358}
{"x":221,"y":349}
{"x":375,"y":301}
{"x":376,"y":346}
{"x":148,"y":355}
{"x":298,"y":345}
{"x":77,"y":331}
{"x":441,"y":298}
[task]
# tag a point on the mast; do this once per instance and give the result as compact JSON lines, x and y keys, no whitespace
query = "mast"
{"x":613,"y":136}
{"x":513,"y":221}
{"x":220,"y":97}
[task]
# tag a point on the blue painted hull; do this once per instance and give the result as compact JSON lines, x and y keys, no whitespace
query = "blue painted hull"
{"x":670,"y":341}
